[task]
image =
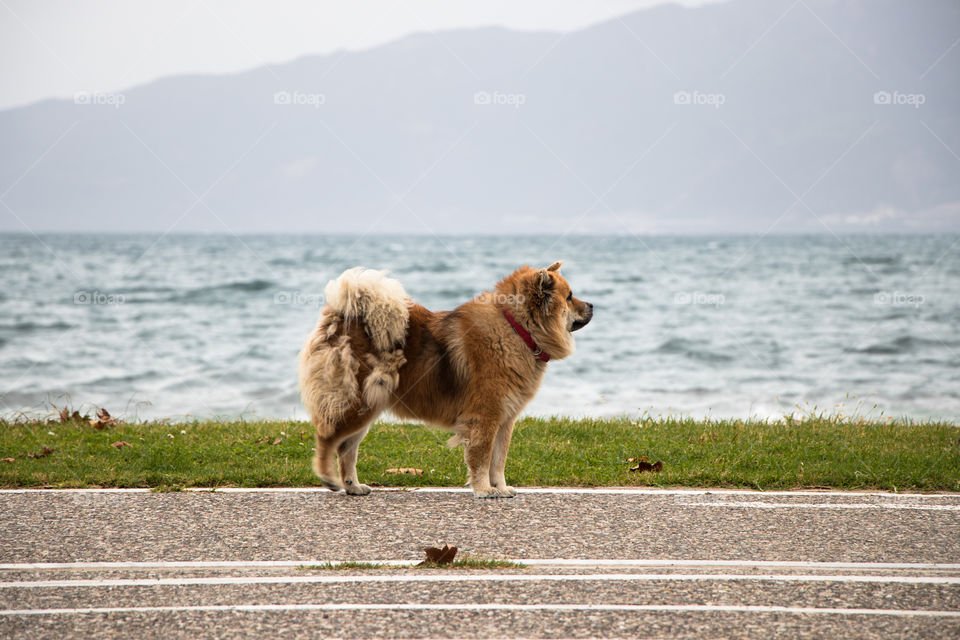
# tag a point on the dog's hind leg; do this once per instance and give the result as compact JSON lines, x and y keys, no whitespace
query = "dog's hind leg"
{"x":323,"y":460}
{"x":347,"y":459}
{"x":498,"y":460}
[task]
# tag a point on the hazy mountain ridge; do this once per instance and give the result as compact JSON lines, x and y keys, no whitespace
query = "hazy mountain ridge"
{"x":495,"y":130}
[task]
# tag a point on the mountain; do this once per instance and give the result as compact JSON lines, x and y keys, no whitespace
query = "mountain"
{"x":751,"y":115}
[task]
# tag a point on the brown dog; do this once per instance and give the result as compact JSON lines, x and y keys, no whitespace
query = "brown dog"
{"x":471,"y":370}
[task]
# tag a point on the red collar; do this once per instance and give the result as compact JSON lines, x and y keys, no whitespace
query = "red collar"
{"x":541,"y":355}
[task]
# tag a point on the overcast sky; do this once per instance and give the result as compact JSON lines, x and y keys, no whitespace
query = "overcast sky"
{"x":55,"y":48}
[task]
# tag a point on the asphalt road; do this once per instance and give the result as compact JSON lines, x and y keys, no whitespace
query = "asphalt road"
{"x":607,"y":563}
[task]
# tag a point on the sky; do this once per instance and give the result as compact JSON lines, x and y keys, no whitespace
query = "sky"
{"x":57,"y":48}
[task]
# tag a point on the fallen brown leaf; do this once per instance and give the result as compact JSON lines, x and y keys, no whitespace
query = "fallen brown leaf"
{"x":259,"y":440}
{"x":439,"y":556}
{"x":9,"y":460}
{"x":46,"y":451}
{"x":278,"y":441}
{"x":408,"y":470}
{"x":644,"y":465}
{"x":66,"y":416}
{"x":120,"y":444}
{"x":103,"y":419}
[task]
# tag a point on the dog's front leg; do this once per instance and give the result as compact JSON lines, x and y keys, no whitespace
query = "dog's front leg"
{"x":477,"y":453}
{"x":498,"y":460}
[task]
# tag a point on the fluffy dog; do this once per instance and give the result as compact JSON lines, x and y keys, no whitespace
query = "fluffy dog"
{"x":471,"y":370}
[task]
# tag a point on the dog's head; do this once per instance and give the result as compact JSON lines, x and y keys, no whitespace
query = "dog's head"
{"x":543,"y":302}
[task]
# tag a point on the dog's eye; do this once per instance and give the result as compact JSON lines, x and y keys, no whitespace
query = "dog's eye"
{"x":570,"y":296}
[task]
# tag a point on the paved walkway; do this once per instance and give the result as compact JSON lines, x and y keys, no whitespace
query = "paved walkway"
{"x":601,"y":563}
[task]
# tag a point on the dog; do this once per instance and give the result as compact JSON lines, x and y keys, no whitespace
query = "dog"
{"x":471,"y":370}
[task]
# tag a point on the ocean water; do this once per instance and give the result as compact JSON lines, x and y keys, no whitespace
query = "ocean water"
{"x":183,"y":326}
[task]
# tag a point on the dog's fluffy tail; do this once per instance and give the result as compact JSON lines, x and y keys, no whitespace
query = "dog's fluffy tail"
{"x":328,"y":365}
{"x":379,"y":302}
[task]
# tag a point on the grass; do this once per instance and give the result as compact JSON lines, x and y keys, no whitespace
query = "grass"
{"x":339,"y":566}
{"x":811,"y":452}
{"x":468,"y":562}
{"x":471,"y":562}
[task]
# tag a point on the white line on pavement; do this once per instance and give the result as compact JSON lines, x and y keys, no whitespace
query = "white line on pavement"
{"x":492,"y":607}
{"x":461,"y":577}
{"x":756,"y":564}
{"x":541,"y":562}
{"x":824,"y":505}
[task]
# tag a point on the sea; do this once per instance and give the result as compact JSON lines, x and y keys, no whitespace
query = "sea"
{"x":185,"y":327}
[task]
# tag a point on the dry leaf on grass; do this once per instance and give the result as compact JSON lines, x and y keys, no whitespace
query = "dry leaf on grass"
{"x":66,"y":416}
{"x":644,"y":465}
{"x":103,"y":419}
{"x":439,"y":556}
{"x":46,"y":451}
{"x":9,"y":460}
{"x":278,"y":441}
{"x":120,"y":444}
{"x":408,"y":470}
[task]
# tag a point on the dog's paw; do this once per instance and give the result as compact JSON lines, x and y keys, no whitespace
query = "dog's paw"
{"x":494,"y":492}
{"x":506,"y":490}
{"x":357,"y":489}
{"x":333,"y":485}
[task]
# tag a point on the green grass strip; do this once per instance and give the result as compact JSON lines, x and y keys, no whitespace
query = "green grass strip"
{"x":812,"y":452}
{"x":467,"y":562}
{"x":341,"y":566}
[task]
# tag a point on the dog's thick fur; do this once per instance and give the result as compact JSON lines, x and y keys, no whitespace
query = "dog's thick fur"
{"x":467,"y":369}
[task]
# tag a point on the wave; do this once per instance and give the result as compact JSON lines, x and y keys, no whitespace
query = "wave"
{"x":628,"y":279}
{"x":689,"y":390}
{"x":463,"y":294}
{"x":123,"y":379}
{"x":243,"y":286}
{"x":872,"y":260}
{"x":901,"y":345}
{"x":693,"y":350}
{"x":436,"y":267}
{"x":143,"y":289}
{"x":30,"y":327}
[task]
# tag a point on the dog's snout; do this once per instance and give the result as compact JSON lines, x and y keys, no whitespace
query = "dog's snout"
{"x":584,"y":318}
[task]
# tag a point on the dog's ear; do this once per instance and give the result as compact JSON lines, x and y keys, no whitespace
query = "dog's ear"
{"x":543,"y":285}
{"x":555,"y":266}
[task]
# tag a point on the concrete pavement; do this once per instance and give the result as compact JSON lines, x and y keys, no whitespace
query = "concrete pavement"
{"x":602,"y":563}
